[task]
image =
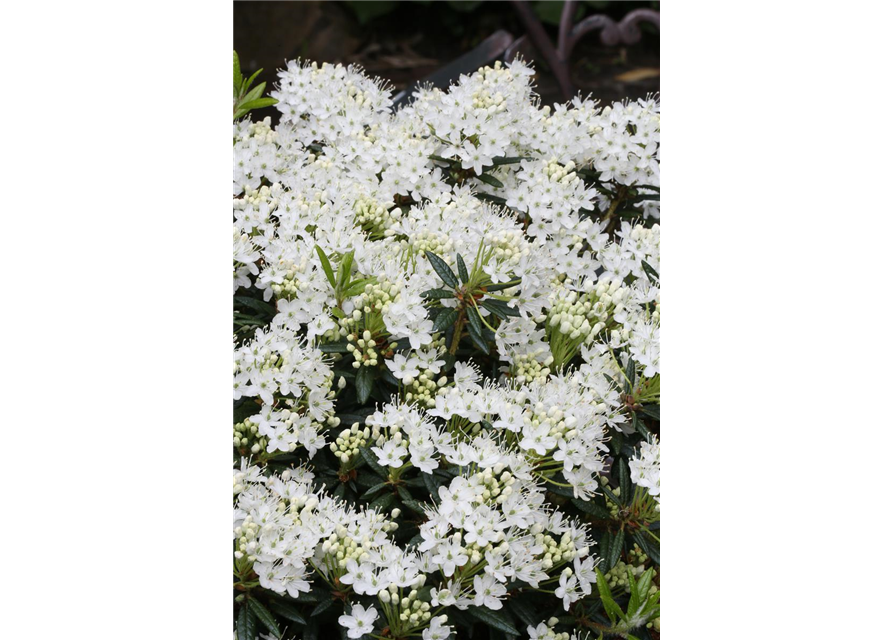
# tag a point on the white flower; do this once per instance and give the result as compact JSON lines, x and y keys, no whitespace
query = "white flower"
{"x":487,"y":592}
{"x":359,"y":622}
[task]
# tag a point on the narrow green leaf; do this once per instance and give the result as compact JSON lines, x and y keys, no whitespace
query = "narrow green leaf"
{"x":364,"y":384}
{"x":374,"y":490}
{"x":333,"y":347}
{"x":432,"y":486}
{"x":357,"y":287}
{"x":496,"y":311}
{"x":252,"y":78}
{"x":475,"y":330}
{"x":490,"y":198}
{"x":611,"y":495}
{"x":442,"y":269}
{"x":509,"y":160}
{"x":460,"y":267}
{"x":651,"y":549}
{"x":287,"y":611}
{"x":639,"y":426}
{"x":265,"y":308}
{"x":237,"y":72}
{"x":254,"y":94}
{"x":322,"y":606}
{"x":611,"y":608}
{"x":494,"y":619}
{"x":383,"y":502}
{"x":652,"y":411}
{"x":635,"y":599}
{"x":344,"y":269}
{"x":372,"y":460}
{"x":624,"y":480}
{"x":524,"y":611}
{"x":445,"y":318}
{"x":493,"y":182}
{"x":503,"y":285}
{"x":438,"y":294}
{"x":592,"y":508}
{"x":326,"y":267}
{"x":653,"y":275}
{"x":630,"y":382}
{"x":264,"y":616}
{"x":506,"y":309}
{"x":615,"y":547}
{"x":258,"y":104}
{"x":246,"y":624}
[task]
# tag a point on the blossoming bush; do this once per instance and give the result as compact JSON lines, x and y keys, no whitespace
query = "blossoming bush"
{"x":446,"y":361}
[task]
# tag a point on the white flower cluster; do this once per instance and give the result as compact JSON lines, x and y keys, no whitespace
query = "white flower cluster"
{"x":644,"y":468}
{"x":336,"y":214}
{"x":293,"y":383}
{"x":492,"y":527}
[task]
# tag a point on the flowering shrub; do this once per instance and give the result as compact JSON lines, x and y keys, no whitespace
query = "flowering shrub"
{"x":446,"y":362}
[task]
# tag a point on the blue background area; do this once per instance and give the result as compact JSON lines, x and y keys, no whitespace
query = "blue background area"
{"x":825,"y":530}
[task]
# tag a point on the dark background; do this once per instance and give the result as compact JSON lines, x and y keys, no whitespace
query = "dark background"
{"x":406,"y":41}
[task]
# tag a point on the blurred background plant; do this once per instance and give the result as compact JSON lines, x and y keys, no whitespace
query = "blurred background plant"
{"x":406,"y":41}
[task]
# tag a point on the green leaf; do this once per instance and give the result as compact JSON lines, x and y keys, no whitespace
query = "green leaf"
{"x":237,"y":72}
{"x":442,"y":159}
{"x":357,"y":287}
{"x":322,"y":606}
{"x":374,"y":490}
{"x":438,"y":294}
{"x":445,"y":318}
{"x":493,"y":182}
{"x":639,"y":426}
{"x":383,"y":502}
{"x":496,"y":311}
{"x":326,"y":267}
{"x":503,"y":285}
{"x":650,"y":549}
{"x":287,"y":611}
{"x":264,"y":616}
{"x":442,"y":269}
{"x":264,"y":308}
{"x":630,"y":382}
{"x":643,"y":584}
{"x":494,"y":619}
{"x":366,"y":11}
{"x":623,"y":478}
{"x":372,"y":460}
{"x":258,"y":104}
{"x":653,"y":275}
{"x":524,"y":611}
{"x":364,"y":384}
{"x":509,"y":160}
{"x":432,"y":486}
{"x":475,"y":330}
{"x":592,"y":508}
{"x":490,"y":198}
{"x":611,"y":608}
{"x":252,"y":78}
{"x":634,"y":600}
{"x":254,"y":94}
{"x":506,"y":309}
{"x":246,"y":624}
{"x":652,"y":411}
{"x":460,"y":267}
{"x":611,"y":495}
{"x":612,"y":548}
{"x":344,"y":269}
